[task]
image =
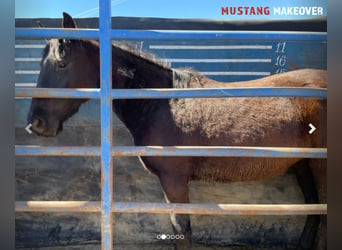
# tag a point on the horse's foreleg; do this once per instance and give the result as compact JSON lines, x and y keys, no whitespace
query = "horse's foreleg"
{"x":176,"y":191}
{"x":307,"y":184}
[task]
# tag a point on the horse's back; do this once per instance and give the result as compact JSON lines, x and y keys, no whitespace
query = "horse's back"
{"x":315,"y":78}
{"x":253,"y":121}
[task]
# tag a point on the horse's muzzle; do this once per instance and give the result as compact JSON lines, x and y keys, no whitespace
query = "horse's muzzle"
{"x":41,"y":127}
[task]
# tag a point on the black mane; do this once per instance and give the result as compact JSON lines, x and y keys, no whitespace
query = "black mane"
{"x":148,"y":56}
{"x":181,"y":77}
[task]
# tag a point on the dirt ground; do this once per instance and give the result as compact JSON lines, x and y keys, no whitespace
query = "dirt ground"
{"x":150,"y":247}
{"x":78,"y":178}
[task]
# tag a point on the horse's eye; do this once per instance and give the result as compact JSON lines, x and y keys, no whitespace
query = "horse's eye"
{"x":62,"y":65}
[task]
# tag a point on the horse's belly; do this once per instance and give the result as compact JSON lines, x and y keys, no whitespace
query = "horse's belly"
{"x":239,"y":169}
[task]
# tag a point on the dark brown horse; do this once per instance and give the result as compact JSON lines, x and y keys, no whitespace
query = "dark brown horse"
{"x":272,"y":122}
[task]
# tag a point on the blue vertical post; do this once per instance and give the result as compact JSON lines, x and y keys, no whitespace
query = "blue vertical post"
{"x":105,"y":25}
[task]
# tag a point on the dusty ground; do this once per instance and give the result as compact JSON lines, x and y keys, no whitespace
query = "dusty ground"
{"x":150,"y":247}
{"x":77,"y":178}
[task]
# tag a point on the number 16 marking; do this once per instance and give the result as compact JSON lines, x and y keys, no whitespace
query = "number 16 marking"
{"x":281,"y":60}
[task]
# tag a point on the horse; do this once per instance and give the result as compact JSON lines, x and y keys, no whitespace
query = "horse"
{"x":253,"y":121}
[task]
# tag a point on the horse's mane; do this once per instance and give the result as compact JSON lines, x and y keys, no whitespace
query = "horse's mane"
{"x":186,"y":78}
{"x":182,"y":77}
{"x":148,"y":56}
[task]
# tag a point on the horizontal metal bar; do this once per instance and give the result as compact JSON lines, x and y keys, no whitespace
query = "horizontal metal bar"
{"x":57,"y":93}
{"x":36,"y":33}
{"x":56,"y":151}
{"x":166,"y":208}
{"x":218,"y":35}
{"x":220,"y":209}
{"x":57,"y":206}
{"x":221,"y":151}
{"x":207,"y":73}
{"x":272,"y":152}
{"x":172,"y":93}
{"x":176,"y":60}
{"x":218,"y":92}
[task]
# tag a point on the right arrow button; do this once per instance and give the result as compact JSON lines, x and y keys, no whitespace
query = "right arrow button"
{"x":312,"y":128}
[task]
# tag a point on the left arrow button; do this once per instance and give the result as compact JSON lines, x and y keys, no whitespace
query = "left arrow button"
{"x":27,"y":128}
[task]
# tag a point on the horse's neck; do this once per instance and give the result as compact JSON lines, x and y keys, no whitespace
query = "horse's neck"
{"x":139,"y":72}
{"x":132,"y":71}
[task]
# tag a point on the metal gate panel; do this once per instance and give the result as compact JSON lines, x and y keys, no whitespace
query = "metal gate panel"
{"x":106,"y":151}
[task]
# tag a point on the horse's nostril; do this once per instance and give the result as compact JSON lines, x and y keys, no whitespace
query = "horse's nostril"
{"x":38,"y":124}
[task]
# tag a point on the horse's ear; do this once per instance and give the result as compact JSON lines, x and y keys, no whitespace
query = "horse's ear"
{"x":68,"y":21}
{"x":41,"y":26}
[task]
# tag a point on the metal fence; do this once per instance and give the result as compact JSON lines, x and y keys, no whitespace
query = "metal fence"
{"x":107,"y":207}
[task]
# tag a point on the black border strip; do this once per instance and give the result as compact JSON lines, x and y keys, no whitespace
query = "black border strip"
{"x":7,"y":179}
{"x":142,"y":23}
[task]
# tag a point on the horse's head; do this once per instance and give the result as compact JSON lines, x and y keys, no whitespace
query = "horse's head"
{"x":65,"y":64}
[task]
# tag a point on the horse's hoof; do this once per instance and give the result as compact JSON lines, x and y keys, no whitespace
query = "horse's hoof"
{"x":183,"y":245}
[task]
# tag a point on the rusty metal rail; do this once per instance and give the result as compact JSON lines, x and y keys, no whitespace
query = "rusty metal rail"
{"x":164,"y":208}
{"x":194,"y":151}
{"x":173,"y":93}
